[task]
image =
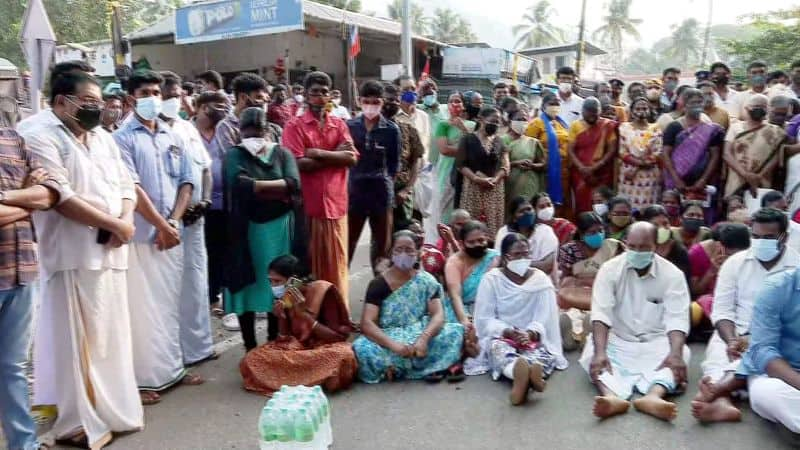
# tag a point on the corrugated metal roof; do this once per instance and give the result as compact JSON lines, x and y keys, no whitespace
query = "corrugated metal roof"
{"x":166,"y":26}
{"x":590,"y":49}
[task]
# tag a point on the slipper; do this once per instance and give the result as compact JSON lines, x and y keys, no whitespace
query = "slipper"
{"x":567,"y":338}
{"x":192,"y":379}
{"x":149,"y":398}
{"x":79,"y":440}
{"x":435,"y":377}
{"x":455,"y":373}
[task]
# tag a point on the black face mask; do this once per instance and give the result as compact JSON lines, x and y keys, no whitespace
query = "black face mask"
{"x":475,"y":252}
{"x":88,"y":117}
{"x":758,"y":113}
{"x":721,"y":80}
{"x":389,"y":110}
{"x":693,"y":225}
{"x":216,"y":115}
{"x":490,"y":128}
{"x":472,"y":111}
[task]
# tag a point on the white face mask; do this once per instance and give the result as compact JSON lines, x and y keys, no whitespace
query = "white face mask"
{"x":148,"y":108}
{"x":600,"y":209}
{"x":278,"y":291}
{"x":519,"y":266}
{"x":546,"y":214}
{"x":298,"y":98}
{"x":337,"y":101}
{"x":565,"y":88}
{"x":371,"y":111}
{"x":171,"y":107}
{"x":254,"y":145}
{"x":518,"y":126}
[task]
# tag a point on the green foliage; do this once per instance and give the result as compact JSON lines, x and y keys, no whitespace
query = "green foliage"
{"x":616,"y":26}
{"x":686,"y":43}
{"x":419,"y":23}
{"x":77,"y":21}
{"x":536,"y":28}
{"x":775,"y":41}
{"x":448,"y":26}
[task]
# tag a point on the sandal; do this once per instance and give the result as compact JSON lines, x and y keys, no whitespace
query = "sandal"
{"x":435,"y":377}
{"x":79,"y":440}
{"x":192,"y":379}
{"x":149,"y":398}
{"x":455,"y":373}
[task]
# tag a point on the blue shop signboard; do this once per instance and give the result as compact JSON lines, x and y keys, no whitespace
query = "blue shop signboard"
{"x":230,"y":19}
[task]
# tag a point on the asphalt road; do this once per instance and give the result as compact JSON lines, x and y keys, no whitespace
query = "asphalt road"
{"x":475,"y":414}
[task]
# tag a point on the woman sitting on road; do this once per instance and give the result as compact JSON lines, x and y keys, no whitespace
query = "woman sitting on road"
{"x":404,"y":332}
{"x":516,"y":317}
{"x":542,"y":241}
{"x":545,"y":213}
{"x":579,"y":260}
{"x":667,"y":246}
{"x":313,"y":327}
{"x":692,"y":229}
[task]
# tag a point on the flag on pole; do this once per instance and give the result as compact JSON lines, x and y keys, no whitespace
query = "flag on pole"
{"x":426,"y":71}
{"x":355,"y":42}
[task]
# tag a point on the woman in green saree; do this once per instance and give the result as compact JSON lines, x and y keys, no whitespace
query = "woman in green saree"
{"x":528,"y":162}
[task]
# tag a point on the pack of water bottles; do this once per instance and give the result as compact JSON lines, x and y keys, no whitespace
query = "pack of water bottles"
{"x":296,"y":418}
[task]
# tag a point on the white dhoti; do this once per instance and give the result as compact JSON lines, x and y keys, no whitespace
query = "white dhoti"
{"x":717,"y":363}
{"x":776,"y":401}
{"x":154,"y":290}
{"x":195,"y":323}
{"x":85,"y":335}
{"x":634,"y":365}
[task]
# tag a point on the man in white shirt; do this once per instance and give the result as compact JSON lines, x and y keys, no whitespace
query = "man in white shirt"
{"x":724,"y":96}
{"x":409,"y":113}
{"x":740,"y":279}
{"x":339,"y":110}
{"x":571,"y":104}
{"x":195,"y":321}
{"x":84,"y":347}
{"x":59,"y":70}
{"x":757,"y":77}
{"x":640,"y":318}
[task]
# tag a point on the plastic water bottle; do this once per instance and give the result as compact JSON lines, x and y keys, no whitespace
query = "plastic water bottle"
{"x":296,"y":418}
{"x":303,"y":430}
{"x":327,"y":430}
{"x":267,"y":427}
{"x":285,"y":429}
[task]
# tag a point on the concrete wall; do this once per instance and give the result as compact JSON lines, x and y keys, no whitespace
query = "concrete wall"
{"x":588,"y":71}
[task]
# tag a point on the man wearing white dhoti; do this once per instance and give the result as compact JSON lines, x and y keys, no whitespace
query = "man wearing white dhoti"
{"x":83,"y":350}
{"x":159,"y":164}
{"x":740,"y":279}
{"x":772,"y":362}
{"x":640,"y":317}
{"x":195,"y":322}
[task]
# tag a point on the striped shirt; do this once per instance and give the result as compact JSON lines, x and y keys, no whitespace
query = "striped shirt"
{"x":19,"y":264}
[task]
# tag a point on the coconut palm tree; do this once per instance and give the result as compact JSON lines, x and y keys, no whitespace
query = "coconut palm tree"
{"x":419,"y":23}
{"x":448,"y":26}
{"x":686,"y":44}
{"x":616,"y":25}
{"x":537,"y":30}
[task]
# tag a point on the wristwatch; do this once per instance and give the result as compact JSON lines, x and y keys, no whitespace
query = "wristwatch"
{"x":174,"y":223}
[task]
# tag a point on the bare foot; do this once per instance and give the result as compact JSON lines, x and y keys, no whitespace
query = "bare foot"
{"x":706,"y":391}
{"x":519,"y":389}
{"x":538,"y":382}
{"x":717,"y":411}
{"x":609,"y":405}
{"x":656,"y":407}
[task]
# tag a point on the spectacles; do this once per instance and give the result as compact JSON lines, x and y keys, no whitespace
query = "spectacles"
{"x":86,"y":102}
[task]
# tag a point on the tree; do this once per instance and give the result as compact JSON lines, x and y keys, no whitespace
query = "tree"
{"x":449,"y":26}
{"x":616,"y":25}
{"x":419,"y":23}
{"x":78,"y":21}
{"x":775,"y":40}
{"x":642,"y":62}
{"x":686,"y":43}
{"x":347,"y":5}
{"x":536,"y":29}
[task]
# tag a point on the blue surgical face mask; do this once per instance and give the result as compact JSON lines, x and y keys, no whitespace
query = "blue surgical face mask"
{"x":526,"y":221}
{"x":639,"y":260}
{"x":409,"y":97}
{"x":429,"y":100}
{"x":765,"y":250}
{"x":148,"y":108}
{"x":758,"y":80}
{"x":278,"y":291}
{"x":594,"y":240}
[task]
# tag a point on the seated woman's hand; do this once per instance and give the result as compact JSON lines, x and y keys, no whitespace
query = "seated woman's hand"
{"x":277,"y":309}
{"x":421,"y":347}
{"x":402,"y":350}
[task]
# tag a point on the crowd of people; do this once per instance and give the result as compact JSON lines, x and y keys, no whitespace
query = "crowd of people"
{"x":502,"y":236}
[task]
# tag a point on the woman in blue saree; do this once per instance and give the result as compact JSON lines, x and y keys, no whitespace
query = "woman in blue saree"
{"x":404,"y":334}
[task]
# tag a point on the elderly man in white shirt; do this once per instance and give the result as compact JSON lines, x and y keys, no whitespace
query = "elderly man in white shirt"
{"x":83,"y":361}
{"x":740,"y":279}
{"x":640,"y":318}
{"x":571,"y":104}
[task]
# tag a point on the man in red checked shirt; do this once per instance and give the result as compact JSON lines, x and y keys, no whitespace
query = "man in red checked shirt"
{"x":324,"y":151}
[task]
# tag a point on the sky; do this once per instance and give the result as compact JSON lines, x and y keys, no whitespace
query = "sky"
{"x":493,"y":24}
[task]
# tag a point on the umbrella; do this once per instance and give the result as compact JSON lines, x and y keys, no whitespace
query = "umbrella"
{"x":38,"y":44}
